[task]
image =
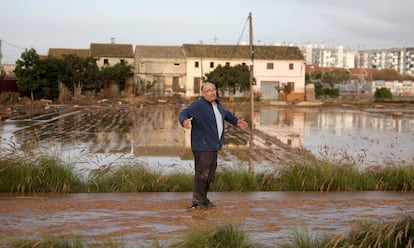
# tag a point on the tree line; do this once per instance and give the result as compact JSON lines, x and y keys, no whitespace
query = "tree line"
{"x":43,"y":77}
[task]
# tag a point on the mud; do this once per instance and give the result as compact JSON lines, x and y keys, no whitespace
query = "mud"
{"x":140,"y":219}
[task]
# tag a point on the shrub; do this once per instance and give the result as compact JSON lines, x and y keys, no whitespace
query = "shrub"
{"x":383,"y":94}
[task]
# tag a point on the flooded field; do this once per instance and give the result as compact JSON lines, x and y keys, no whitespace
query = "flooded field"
{"x":105,"y":134}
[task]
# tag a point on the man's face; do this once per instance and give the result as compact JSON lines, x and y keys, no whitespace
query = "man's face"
{"x":210,"y":92}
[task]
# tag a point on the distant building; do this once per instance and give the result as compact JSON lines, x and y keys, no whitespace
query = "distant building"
{"x":329,"y":57}
{"x":273,"y":67}
{"x":181,"y":68}
{"x":165,"y":66}
{"x":399,"y":59}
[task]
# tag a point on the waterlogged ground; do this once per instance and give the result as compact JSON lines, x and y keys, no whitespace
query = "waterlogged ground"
{"x":139,"y":220}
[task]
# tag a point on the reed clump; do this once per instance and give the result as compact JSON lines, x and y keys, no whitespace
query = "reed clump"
{"x":38,"y":174}
{"x":398,"y":233}
{"x":225,"y":235}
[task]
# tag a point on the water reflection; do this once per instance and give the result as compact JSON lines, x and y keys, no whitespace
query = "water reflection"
{"x":153,"y":132}
{"x":367,"y":137}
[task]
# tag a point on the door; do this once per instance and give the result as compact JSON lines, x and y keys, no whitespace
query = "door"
{"x":268,"y":90}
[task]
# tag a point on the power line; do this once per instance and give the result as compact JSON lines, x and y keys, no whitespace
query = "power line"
{"x":13,"y":45}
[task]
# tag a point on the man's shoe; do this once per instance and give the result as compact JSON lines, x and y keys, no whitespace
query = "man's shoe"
{"x":208,"y":205}
{"x":198,"y":207}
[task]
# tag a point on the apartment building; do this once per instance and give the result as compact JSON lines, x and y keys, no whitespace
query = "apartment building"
{"x":337,"y":57}
{"x":399,"y":59}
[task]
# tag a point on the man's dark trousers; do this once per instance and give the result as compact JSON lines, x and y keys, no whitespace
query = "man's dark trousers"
{"x":205,"y":170}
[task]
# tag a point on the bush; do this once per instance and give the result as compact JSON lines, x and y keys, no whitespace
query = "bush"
{"x":383,"y":93}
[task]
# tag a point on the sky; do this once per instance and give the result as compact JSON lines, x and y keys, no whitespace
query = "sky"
{"x":355,"y":24}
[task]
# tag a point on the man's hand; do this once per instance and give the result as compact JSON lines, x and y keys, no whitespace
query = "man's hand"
{"x":187,"y":123}
{"x":242,"y":124}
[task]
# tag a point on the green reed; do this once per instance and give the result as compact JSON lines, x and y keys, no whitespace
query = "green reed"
{"x":235,"y":180}
{"x":324,"y":175}
{"x":48,"y":173}
{"x":398,"y":233}
{"x":37,"y":174}
{"x":137,"y":178}
{"x":225,"y":236}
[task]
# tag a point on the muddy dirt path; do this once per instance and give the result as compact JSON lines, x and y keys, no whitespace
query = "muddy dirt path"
{"x":140,"y":219}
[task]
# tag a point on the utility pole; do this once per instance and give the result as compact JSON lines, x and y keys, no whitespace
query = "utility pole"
{"x":251,"y":93}
{"x":1,"y":55}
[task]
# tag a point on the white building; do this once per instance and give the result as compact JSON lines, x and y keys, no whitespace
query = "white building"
{"x":329,"y":57}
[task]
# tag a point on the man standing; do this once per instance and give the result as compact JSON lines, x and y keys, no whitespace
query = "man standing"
{"x":205,"y":117}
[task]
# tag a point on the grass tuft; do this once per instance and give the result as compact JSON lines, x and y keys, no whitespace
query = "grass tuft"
{"x":223,"y":236}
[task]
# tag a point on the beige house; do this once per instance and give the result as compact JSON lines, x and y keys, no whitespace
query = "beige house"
{"x":105,"y":55}
{"x":273,"y":66}
{"x":165,"y":66}
{"x":110,"y":55}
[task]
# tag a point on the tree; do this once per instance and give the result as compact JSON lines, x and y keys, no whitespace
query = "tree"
{"x":383,"y":94}
{"x":230,"y":78}
{"x":286,"y":88}
{"x":80,"y":74}
{"x":118,"y":73}
{"x":385,"y":74}
{"x":29,"y":72}
{"x":52,"y":68}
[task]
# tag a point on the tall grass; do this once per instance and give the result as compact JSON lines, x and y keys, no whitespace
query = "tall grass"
{"x":47,"y":173}
{"x":137,"y":178}
{"x":37,"y":175}
{"x":223,"y":236}
{"x":232,"y":180}
{"x":399,"y":233}
{"x":393,"y":177}
{"x":323,"y":175}
{"x":304,"y":239}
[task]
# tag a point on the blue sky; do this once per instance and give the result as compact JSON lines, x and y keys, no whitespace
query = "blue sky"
{"x":44,"y":24}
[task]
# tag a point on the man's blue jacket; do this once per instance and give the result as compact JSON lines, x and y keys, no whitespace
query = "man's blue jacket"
{"x":204,"y":134}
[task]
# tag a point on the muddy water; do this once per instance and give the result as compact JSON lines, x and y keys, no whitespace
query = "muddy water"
{"x":137,"y":220}
{"x":104,"y":135}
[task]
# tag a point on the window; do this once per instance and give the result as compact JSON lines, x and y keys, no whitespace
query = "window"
{"x":196,"y":64}
{"x":176,"y":84}
{"x":106,"y":62}
{"x":176,"y":64}
{"x":292,"y":86}
{"x":227,"y":63}
{"x":211,"y":64}
{"x":122,"y":85}
{"x":197,"y":85}
{"x":290,"y":66}
{"x":269,"y":66}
